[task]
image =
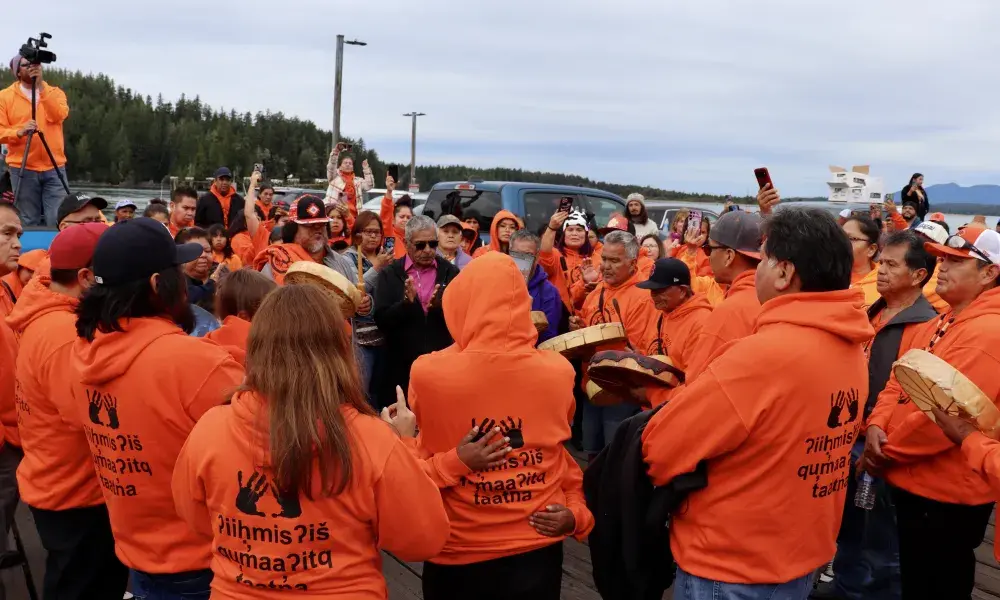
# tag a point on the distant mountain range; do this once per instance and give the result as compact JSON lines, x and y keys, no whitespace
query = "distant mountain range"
{"x":952,"y":193}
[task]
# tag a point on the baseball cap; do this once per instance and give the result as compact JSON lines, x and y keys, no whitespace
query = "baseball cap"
{"x":972,"y":242}
{"x":468,"y":231}
{"x":223,"y":172}
{"x":449,"y":220}
{"x":739,"y":231}
{"x":939,"y":217}
{"x":911,"y":203}
{"x":74,"y":202}
{"x":136,"y":249}
{"x":73,"y":247}
{"x":309,"y":209}
{"x":845,"y":214}
{"x":932,"y":231}
{"x":667,"y":272}
{"x":615,"y":223}
{"x":124,"y":203}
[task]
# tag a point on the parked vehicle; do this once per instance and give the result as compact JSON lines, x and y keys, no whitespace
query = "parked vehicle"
{"x":533,"y":202}
{"x":374,"y":201}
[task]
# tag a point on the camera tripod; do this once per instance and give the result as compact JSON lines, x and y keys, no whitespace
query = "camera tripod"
{"x":45,"y":144}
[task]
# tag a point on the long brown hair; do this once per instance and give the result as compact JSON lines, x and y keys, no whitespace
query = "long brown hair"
{"x":242,"y":291}
{"x":301,"y":362}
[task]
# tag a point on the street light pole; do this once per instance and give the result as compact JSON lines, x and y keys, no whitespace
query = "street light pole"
{"x":413,"y":146}
{"x":338,"y":78}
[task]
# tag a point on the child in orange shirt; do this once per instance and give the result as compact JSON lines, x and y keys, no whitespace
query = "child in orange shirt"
{"x":240,"y":294}
{"x":297,"y":480}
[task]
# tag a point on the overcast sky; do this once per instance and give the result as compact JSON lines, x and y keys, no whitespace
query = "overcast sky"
{"x":680,"y":94}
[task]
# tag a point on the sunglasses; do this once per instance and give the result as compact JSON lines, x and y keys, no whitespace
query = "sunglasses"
{"x":421,"y":245}
{"x":957,"y":242}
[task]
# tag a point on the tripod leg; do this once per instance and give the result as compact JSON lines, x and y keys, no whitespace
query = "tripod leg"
{"x":24,"y":164}
{"x":52,"y":159}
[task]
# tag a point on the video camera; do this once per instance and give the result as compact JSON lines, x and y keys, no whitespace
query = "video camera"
{"x":33,"y":53}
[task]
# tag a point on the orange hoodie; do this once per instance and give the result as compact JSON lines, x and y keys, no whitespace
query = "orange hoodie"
{"x":233,"y":337}
{"x":695,"y":259}
{"x":51,"y":112}
{"x":930,"y":292}
{"x":387,"y":216}
{"x":924,"y":461}
{"x":777,"y":439}
{"x":29,"y":260}
{"x":280,"y":257}
{"x":625,"y":304}
{"x":868,"y":285}
{"x":224,"y":201}
{"x":983,"y":455}
{"x":138,"y":395}
{"x":565,"y":271}
{"x":8,"y":402}
{"x":327,"y":547}
{"x":494,"y":245}
{"x":733,"y":319}
{"x":247,"y":248}
{"x":487,"y":310}
{"x":674,"y":335}
{"x":57,"y":472}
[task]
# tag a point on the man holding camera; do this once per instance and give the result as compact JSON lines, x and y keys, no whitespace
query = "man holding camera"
{"x":41,"y":179}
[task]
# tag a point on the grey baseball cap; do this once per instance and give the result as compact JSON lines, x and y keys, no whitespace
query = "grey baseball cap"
{"x":449,"y":220}
{"x":739,"y":231}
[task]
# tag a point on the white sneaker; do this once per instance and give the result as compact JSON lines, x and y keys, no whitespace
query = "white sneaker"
{"x":128,"y":596}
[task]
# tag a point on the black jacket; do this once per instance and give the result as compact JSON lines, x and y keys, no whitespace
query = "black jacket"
{"x":885,"y":347}
{"x":630,"y":542}
{"x":209,"y":210}
{"x":408,"y":332}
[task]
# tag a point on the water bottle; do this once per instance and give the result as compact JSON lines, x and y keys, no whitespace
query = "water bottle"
{"x":864,"y":498}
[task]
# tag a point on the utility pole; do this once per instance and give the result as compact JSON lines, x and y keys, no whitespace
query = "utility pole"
{"x":413,"y":151}
{"x":338,"y":78}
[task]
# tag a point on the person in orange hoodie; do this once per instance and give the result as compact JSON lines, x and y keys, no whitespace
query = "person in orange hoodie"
{"x":56,"y":477}
{"x":27,"y":264}
{"x":42,"y":181}
{"x":566,"y":249}
{"x":776,"y":448}
{"x":183,"y":205}
{"x":220,"y":204}
{"x":691,"y":252}
{"x":507,"y":523}
{"x":249,"y":233}
{"x":504,"y":224}
{"x":941,"y":505}
{"x":616,"y":299}
{"x":10,"y":452}
{"x":222,"y":249}
{"x":297,"y":482}
{"x":864,"y":235}
{"x":682,"y":315}
{"x":239,"y":296}
{"x":394,"y":216}
{"x":140,"y":385}
{"x":733,"y":249}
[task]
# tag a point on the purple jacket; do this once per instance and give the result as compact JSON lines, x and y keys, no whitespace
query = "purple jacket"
{"x":461,"y":258}
{"x":545,"y":297}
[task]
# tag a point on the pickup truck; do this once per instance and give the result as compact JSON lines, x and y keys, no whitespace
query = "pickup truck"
{"x":533,"y":202}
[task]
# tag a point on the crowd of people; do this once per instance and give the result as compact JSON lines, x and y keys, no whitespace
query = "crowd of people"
{"x":235,"y":396}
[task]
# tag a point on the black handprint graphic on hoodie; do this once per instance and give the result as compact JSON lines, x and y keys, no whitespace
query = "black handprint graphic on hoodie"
{"x":95,"y":401}
{"x":513,"y":431}
{"x":836,"y":407}
{"x":852,"y":405}
{"x":291,"y":508}
{"x":111,"y":403}
{"x":484,"y":428}
{"x":249,"y":495}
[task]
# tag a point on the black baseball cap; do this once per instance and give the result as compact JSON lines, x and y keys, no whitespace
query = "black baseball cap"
{"x":134,"y":250}
{"x":223,"y":172}
{"x":667,"y":272}
{"x":309,"y":209}
{"x":739,"y":231}
{"x":74,"y":202}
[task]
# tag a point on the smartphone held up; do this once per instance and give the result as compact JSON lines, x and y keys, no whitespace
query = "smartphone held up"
{"x":763,"y":177}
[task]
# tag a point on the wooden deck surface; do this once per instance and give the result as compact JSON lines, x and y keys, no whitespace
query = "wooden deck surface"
{"x":404,"y":578}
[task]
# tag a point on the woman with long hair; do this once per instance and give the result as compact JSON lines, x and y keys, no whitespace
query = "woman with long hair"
{"x":568,"y":257}
{"x":691,"y":252}
{"x":863,"y":232}
{"x":339,"y":233}
{"x":368,"y":248}
{"x":222,"y":248}
{"x":239,"y":296}
{"x":249,"y":235}
{"x":914,"y":192}
{"x":297,"y":480}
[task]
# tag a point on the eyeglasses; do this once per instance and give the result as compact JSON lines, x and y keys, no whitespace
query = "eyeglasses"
{"x":421,"y":245}
{"x":957,"y":242}
{"x":709,"y":248}
{"x":372,"y":232}
{"x":859,"y":240}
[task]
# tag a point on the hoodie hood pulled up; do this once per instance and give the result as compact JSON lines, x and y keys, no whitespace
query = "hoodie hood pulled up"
{"x":36,"y":301}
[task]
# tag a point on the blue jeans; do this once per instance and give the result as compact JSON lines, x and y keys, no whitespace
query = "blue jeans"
{"x":690,"y":587}
{"x":43,"y":193}
{"x":191,"y":585}
{"x":371,"y":370}
{"x":601,"y":422}
{"x":867,"y":563}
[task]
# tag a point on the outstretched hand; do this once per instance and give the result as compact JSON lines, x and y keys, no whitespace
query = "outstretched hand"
{"x":400,"y":416}
{"x":767,"y":199}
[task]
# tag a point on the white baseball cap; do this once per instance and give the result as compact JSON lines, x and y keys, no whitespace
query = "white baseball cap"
{"x":933,"y":231}
{"x":973,"y":242}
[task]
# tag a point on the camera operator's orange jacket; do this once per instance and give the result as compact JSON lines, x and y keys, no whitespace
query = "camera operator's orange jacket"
{"x":15,"y":112}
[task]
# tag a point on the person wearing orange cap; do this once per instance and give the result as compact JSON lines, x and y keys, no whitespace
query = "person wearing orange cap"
{"x":27,"y":264}
{"x":942,"y":507}
{"x":937,"y":217}
{"x":776,"y":448}
{"x":56,"y":477}
{"x":507,"y":522}
{"x":131,"y":327}
{"x":504,"y":224}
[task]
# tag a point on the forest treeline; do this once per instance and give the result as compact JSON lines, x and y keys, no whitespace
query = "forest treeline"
{"x":118,"y":136}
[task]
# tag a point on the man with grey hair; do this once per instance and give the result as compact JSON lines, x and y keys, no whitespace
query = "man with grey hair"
{"x":407,"y":310}
{"x":639,"y":223}
{"x":616,"y":299}
{"x":544,"y":296}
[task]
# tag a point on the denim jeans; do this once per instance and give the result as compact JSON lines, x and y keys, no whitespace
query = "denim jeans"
{"x":190,"y":585}
{"x":866,"y":566}
{"x":690,"y":587}
{"x":601,"y":422}
{"x":371,"y":370}
{"x":43,"y":193}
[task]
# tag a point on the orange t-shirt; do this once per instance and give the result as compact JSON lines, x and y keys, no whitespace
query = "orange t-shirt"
{"x":139,"y":394}
{"x":778,"y":448}
{"x":733,"y":319}
{"x":923,"y":460}
{"x":57,"y":472}
{"x":232,"y":336}
{"x":327,"y":547}
{"x":487,"y":310}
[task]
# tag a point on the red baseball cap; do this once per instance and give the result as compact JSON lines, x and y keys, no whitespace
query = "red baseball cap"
{"x":73,"y":247}
{"x":616,"y":223}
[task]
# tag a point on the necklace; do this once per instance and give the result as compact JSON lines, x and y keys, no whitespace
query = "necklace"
{"x":941,"y":330}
